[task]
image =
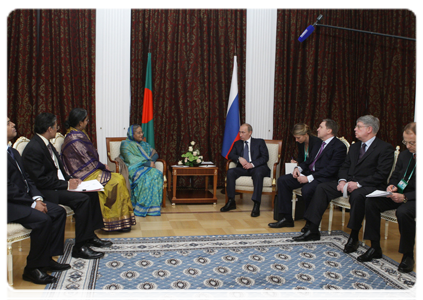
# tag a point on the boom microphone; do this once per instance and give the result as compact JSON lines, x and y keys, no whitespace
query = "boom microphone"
{"x":309,"y":30}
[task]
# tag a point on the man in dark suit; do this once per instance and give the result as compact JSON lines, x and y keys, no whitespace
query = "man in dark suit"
{"x":402,"y":185}
{"x":321,"y":166}
{"x":45,"y":168}
{"x":365,"y":169}
{"x":251,"y":156}
{"x":47,"y":221}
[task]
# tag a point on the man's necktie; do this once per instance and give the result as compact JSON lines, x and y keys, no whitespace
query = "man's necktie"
{"x":362,"y":151}
{"x":246,"y":156}
{"x":53,"y":157}
{"x":50,"y":150}
{"x":9,"y":150}
{"x":317,"y":156}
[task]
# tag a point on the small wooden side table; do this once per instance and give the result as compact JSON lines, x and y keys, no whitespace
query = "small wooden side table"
{"x":192,"y":196}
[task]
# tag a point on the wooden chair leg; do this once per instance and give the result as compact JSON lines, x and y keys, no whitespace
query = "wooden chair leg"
{"x":386,"y":229}
{"x":343,"y":216}
{"x":364,"y":227}
{"x":330,"y":217}
{"x":294,"y":204}
{"x":10,"y":264}
{"x":164,"y":197}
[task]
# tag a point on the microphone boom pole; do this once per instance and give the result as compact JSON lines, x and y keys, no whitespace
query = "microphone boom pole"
{"x":363,"y":31}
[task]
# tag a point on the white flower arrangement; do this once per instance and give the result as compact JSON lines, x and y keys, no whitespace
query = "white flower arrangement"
{"x":192,"y":157}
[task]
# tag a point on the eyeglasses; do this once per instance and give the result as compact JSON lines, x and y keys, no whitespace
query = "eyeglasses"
{"x":409,"y":143}
{"x":360,"y":126}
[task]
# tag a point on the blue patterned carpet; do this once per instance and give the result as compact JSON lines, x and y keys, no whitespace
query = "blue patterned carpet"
{"x":249,"y":261}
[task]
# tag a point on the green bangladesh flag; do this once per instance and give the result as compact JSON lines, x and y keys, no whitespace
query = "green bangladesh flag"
{"x":147,"y":123}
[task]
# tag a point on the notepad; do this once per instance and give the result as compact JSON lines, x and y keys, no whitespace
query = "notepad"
{"x":289,"y":167}
{"x":89,"y":186}
{"x":379,"y":193}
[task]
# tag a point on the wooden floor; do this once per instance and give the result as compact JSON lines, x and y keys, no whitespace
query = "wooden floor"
{"x":206,"y":219}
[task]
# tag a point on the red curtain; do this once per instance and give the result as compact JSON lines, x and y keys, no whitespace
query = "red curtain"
{"x":51,"y":66}
{"x":343,"y":75}
{"x":192,"y":60}
{"x":22,"y":69}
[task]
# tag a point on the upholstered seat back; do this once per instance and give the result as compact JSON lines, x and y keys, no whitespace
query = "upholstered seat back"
{"x":57,"y":142}
{"x":20,"y":144}
{"x":246,"y":182}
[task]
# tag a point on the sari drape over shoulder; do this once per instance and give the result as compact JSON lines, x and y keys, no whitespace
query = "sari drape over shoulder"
{"x":146,"y":182}
{"x":82,"y":161}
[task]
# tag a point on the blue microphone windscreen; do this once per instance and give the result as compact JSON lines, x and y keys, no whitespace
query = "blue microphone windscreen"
{"x":306,"y":33}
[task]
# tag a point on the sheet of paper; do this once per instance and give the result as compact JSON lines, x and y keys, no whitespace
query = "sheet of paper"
{"x":379,"y":193}
{"x":289,"y":167}
{"x":89,"y":186}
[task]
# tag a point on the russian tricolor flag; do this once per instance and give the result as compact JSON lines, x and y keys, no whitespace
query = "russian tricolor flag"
{"x":232,"y":118}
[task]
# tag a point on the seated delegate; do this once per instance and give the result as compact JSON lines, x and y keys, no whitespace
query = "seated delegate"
{"x":82,"y":161}
{"x":305,"y":140}
{"x":26,"y":206}
{"x":251,"y":156}
{"x":146,"y":181}
{"x":402,"y":184}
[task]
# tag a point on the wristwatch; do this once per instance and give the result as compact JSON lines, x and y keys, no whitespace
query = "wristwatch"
{"x":405,"y":199}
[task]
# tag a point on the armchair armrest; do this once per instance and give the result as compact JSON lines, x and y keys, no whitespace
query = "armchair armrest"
{"x":230,"y":164}
{"x":164,"y":169}
{"x":114,"y":162}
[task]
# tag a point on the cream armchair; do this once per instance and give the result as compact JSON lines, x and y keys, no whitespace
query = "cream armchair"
{"x":115,"y":163}
{"x":244,"y":184}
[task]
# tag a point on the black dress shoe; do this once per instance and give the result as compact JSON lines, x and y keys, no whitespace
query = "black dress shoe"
{"x":37,"y":276}
{"x":256,"y":209}
{"x":96,"y":242}
{"x":282,"y":223}
{"x":307,"y":236}
{"x":306,"y":227}
{"x":351,"y":245}
{"x":406,"y":265}
{"x":370,"y":254}
{"x":54,"y":266}
{"x":229,"y":206}
{"x":86,"y":253}
{"x":127,"y":229}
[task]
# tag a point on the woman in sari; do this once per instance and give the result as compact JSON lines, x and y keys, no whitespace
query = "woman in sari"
{"x":146,"y":181}
{"x":82,"y":161}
